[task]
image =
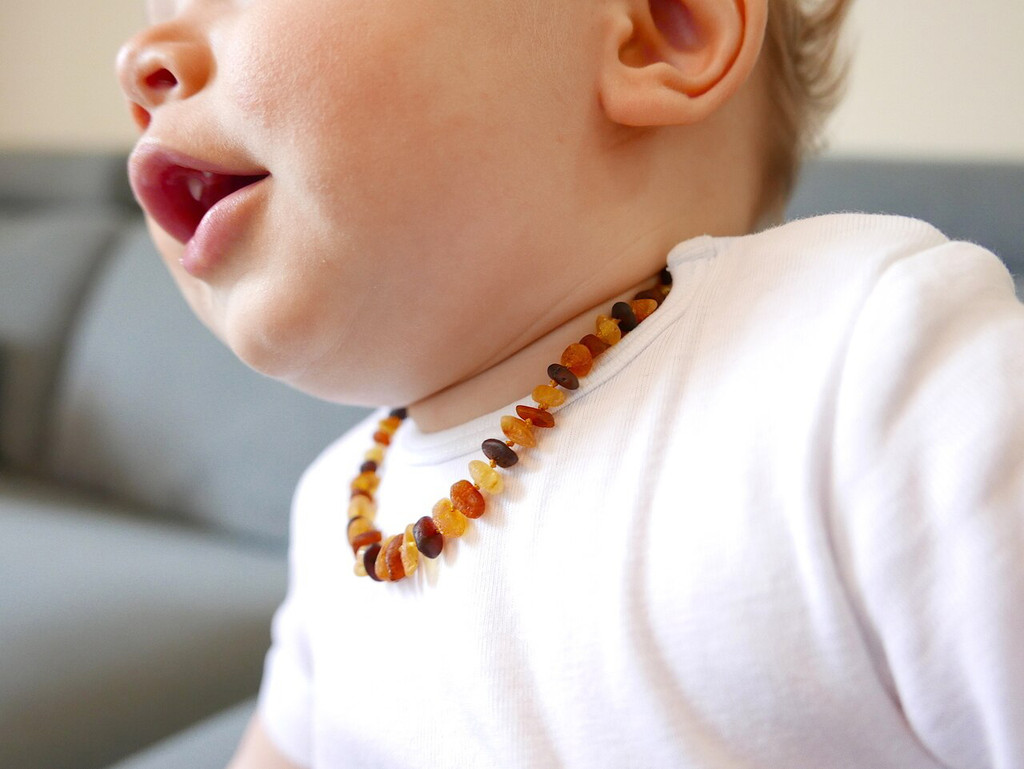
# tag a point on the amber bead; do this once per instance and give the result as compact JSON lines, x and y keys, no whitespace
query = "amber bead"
{"x":366,"y":538}
{"x":624,"y":314}
{"x":380,"y":565}
{"x":429,"y":540}
{"x":449,"y":521}
{"x":366,"y":482}
{"x":595,"y":344}
{"x":486,"y":477}
{"x":392,"y":554}
{"x":653,"y":294}
{"x":369,"y":466}
{"x":537,"y":417}
{"x":563,"y":376}
{"x":382,"y":438}
{"x":665,"y":277}
{"x":358,"y":525}
{"x":643,"y":308}
{"x":409,"y":553}
{"x":578,"y":359}
{"x":467,"y":499}
{"x":360,"y":567}
{"x":399,"y":413}
{"x":362,"y":505}
{"x":390,"y":424}
{"x":370,"y":561}
{"x":608,"y":330}
{"x":517,"y":431}
{"x":547,"y":396}
{"x":376,"y":454}
{"x":499,"y":452}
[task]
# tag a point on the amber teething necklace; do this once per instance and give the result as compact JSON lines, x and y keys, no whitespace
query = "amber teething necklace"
{"x":393,"y":558}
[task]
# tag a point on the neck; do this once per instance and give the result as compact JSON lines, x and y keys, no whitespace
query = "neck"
{"x":513,"y":377}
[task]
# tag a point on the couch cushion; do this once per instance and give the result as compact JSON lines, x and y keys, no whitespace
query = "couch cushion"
{"x":115,"y":632}
{"x":46,"y":259}
{"x":209,"y":744}
{"x":152,"y":409}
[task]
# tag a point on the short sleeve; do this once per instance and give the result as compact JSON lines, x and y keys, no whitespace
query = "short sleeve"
{"x":928,"y":498}
{"x":285,"y":699}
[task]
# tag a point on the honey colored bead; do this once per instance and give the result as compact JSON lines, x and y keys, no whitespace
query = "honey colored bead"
{"x":390,"y":424}
{"x":537,"y":417}
{"x":392,"y":554}
{"x":608,"y":330}
{"x":548,"y":396}
{"x":381,"y":437}
{"x":429,"y":540}
{"x":376,"y":454}
{"x":370,"y":561}
{"x":578,"y":359}
{"x":366,"y":482}
{"x":467,"y":499}
{"x":499,"y":452}
{"x":517,"y":431}
{"x":623,"y":313}
{"x":563,"y":376}
{"x":595,"y":344}
{"x":356,"y":527}
{"x":449,"y":521}
{"x":362,"y":506}
{"x":643,"y":308}
{"x":380,"y":566}
{"x":486,"y":477}
{"x":370,"y":537}
{"x":409,"y":553}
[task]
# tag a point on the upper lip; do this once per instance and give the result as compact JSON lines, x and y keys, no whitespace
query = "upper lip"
{"x":177,"y":190}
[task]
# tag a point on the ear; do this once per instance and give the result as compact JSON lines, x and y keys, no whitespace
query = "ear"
{"x":674,"y":62}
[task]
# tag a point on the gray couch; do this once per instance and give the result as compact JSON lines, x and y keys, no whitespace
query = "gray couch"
{"x":145,"y":474}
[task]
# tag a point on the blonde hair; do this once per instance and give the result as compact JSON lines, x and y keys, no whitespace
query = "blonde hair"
{"x":806,"y":75}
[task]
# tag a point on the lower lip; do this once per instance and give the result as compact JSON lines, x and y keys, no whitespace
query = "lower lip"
{"x":218,"y":229}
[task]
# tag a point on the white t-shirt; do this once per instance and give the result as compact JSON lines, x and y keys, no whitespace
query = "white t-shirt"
{"x":780,"y":525}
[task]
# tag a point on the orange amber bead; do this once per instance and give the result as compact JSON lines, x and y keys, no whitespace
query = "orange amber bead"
{"x":370,"y":537}
{"x":595,"y":344}
{"x":366,"y":482}
{"x":382,"y":438}
{"x":578,"y":359}
{"x":467,"y":499}
{"x":643,"y":308}
{"x":608,"y":330}
{"x":392,"y":553}
{"x":449,"y":521}
{"x":548,"y":396}
{"x":517,"y":431}
{"x":409,"y":554}
{"x":537,"y":417}
{"x":390,"y":424}
{"x":486,"y":477}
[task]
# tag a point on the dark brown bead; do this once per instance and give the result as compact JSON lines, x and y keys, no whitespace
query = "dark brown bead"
{"x":499,"y":452}
{"x":563,"y":376}
{"x":401,"y":413}
{"x":370,"y":562}
{"x":369,"y":466}
{"x":429,"y":540}
{"x":652,"y":293}
{"x":595,"y":344}
{"x":622,"y":312}
{"x":537,"y":417}
{"x":665,"y":277}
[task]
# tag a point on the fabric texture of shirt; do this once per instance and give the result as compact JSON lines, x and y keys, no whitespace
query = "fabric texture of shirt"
{"x":781,"y":524}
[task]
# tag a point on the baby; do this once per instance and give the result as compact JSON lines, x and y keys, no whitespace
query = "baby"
{"x":655,"y":482}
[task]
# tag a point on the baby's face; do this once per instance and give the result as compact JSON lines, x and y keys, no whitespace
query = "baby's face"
{"x":352,"y":194}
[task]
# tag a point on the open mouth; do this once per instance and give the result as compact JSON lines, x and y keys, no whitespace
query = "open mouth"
{"x":177,"y":191}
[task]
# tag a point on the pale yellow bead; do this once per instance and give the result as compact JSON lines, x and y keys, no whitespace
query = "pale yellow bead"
{"x":448,"y":520}
{"x":547,"y":396}
{"x":362,"y":507}
{"x":360,"y":567}
{"x":376,"y":454}
{"x":486,"y":477}
{"x":410,"y":553}
{"x":608,"y":330}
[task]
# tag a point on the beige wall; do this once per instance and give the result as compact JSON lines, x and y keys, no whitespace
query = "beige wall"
{"x":930,"y":79}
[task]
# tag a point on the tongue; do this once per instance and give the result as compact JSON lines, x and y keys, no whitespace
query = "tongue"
{"x":193,"y":194}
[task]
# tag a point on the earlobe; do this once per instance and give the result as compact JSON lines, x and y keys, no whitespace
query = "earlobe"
{"x":674,"y":62}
